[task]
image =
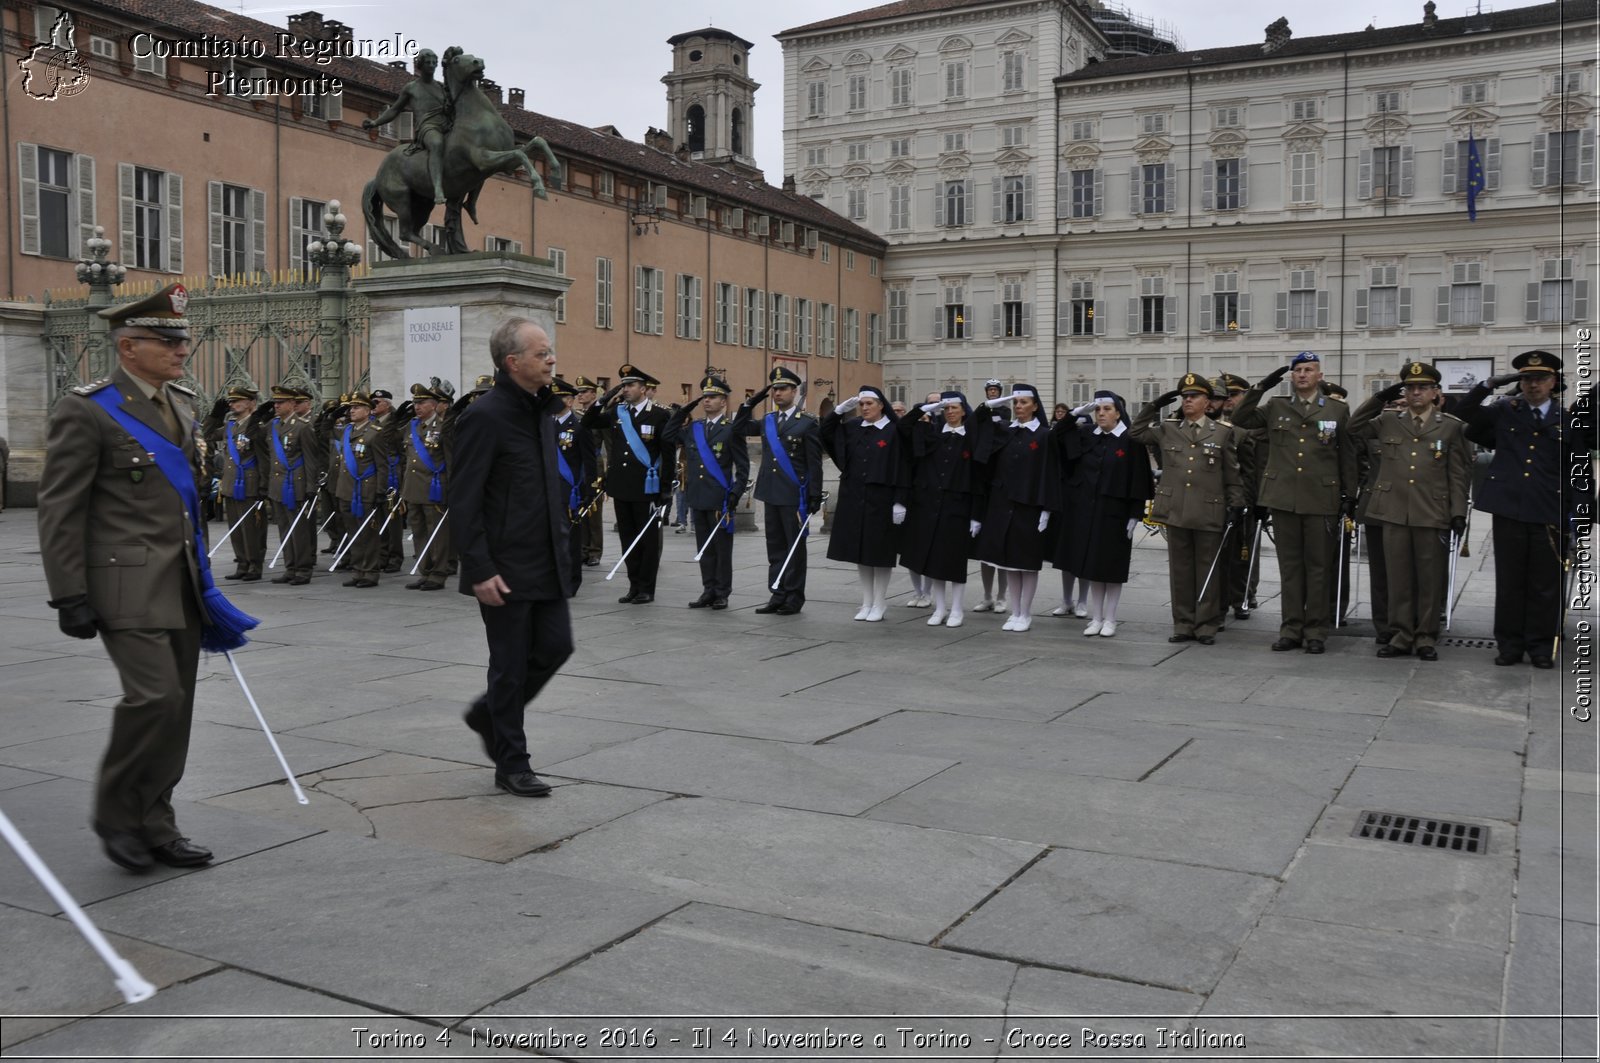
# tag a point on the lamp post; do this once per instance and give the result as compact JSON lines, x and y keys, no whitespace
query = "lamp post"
{"x":101,"y":275}
{"x":333,"y":255}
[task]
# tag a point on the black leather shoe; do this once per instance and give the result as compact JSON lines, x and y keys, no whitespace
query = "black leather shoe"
{"x":523,"y":784}
{"x":770,"y":607}
{"x":391,"y":569}
{"x":1206,"y":640}
{"x":330,"y":549}
{"x":1388,"y":650}
{"x":643,"y":599}
{"x":701,"y":602}
{"x":627,"y":599}
{"x":480,"y":726}
{"x":593,"y":562}
{"x":1384,"y":637}
{"x":181,"y":852}
{"x":431,"y":586}
{"x":1543,"y":662}
{"x":1427,"y":653}
{"x":250,"y":577}
{"x":352,"y":582}
{"x":719,"y":603}
{"x":1241,"y":613}
{"x":235,"y":574}
{"x":126,"y":850}
{"x":364,"y":583}
{"x":1315,"y":646}
{"x":1284,"y":645}
{"x":299,"y":581}
{"x":415,"y":585}
{"x":285,"y":578}
{"x":1180,"y":638}
{"x":785,"y":609}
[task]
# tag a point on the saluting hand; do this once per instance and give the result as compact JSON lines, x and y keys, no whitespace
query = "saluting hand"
{"x":1272,"y":378}
{"x":492,"y":591}
{"x":1503,"y":379}
{"x":1165,"y":399}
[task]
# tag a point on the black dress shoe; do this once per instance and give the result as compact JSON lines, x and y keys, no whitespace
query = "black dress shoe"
{"x":235,"y":574}
{"x":181,"y":852}
{"x":1505,"y":659}
{"x":392,"y":568}
{"x":431,"y":586}
{"x":770,"y":607}
{"x":299,"y":581}
{"x":1241,"y":613}
{"x":627,"y":599}
{"x":352,"y":582}
{"x":1284,"y":645}
{"x":644,"y":598}
{"x":591,"y":562}
{"x":522,"y":783}
{"x":1384,"y":637}
{"x":1389,"y":650}
{"x":719,"y":603}
{"x":1427,"y":653}
{"x":1180,"y":638}
{"x":1543,"y":662}
{"x":126,"y":850}
{"x":481,"y":727}
{"x":1315,"y":646}
{"x":250,"y":577}
{"x":363,"y":583}
{"x":415,"y":585}
{"x":701,"y":602}
{"x":1206,"y":640}
{"x":330,"y":549}
{"x":785,"y":609}
{"x":285,"y":578}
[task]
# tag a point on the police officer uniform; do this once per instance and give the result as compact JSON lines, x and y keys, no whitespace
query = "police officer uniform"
{"x":294,"y":474}
{"x":1200,"y":491}
{"x":392,"y":539}
{"x":424,"y":479}
{"x":789,"y":489}
{"x":575,"y":466}
{"x":638,"y":478}
{"x":360,"y":463}
{"x":716,"y":468}
{"x":242,"y":486}
{"x":1419,"y":493}
{"x":592,"y":528}
{"x":1244,"y":571}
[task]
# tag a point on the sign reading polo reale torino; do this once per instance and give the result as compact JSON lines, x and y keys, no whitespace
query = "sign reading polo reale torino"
{"x":433,"y":343}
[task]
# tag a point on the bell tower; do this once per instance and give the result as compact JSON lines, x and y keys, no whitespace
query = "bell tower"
{"x":711,"y":99}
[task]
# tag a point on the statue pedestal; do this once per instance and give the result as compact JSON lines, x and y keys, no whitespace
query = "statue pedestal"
{"x":433,"y":316}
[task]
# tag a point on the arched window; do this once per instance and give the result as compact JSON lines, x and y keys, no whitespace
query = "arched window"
{"x":697,"y":128}
{"x":737,"y":139}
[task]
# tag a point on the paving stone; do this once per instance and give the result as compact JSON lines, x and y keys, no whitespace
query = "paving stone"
{"x":1231,"y":831}
{"x":13,"y":777}
{"x":39,"y":681}
{"x":1485,"y":795}
{"x":848,"y":873}
{"x":730,"y":710}
{"x":1310,"y":767}
{"x":1147,"y":921}
{"x":54,"y":817}
{"x":1552,"y":972}
{"x":51,"y":969}
{"x":1075,"y":1001}
{"x":1374,"y":697}
{"x":1199,"y":715}
{"x":347,"y":912}
{"x":1386,"y":886}
{"x":276,"y":801}
{"x":821,"y":778}
{"x":1471,"y":723}
{"x":1364,"y":975}
{"x":1558,"y":869}
{"x":1440,"y":758}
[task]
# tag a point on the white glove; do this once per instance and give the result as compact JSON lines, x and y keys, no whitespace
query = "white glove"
{"x":1044,"y":520}
{"x":847,"y":405}
{"x":1003,"y":400}
{"x":1133,"y":523}
{"x":931,"y":407}
{"x":975,"y":526}
{"x":899,"y":513}
{"x":1083,"y":411}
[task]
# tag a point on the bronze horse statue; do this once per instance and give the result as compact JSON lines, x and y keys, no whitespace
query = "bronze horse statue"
{"x":479,"y":144}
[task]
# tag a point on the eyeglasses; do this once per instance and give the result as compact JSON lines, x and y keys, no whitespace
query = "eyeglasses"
{"x":168,"y":343}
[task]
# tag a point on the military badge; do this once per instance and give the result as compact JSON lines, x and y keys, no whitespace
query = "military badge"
{"x":1326,"y":430}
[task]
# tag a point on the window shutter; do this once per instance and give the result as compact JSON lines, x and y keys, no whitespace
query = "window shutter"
{"x":1488,"y":304}
{"x":125,"y":220}
{"x":1530,"y":306}
{"x":1208,"y":185}
{"x":214,"y":207}
{"x":1064,"y":318}
{"x":1099,"y":317}
{"x":680,"y":324}
{"x":1404,"y":316}
{"x":971,"y":201}
{"x":1280,"y":319}
{"x":1205,"y":314}
{"x":1135,"y":199}
{"x":1364,"y":175}
{"x":1586,"y":157}
{"x":1441,"y":305}
{"x":1322,"y":309}
{"x":658,"y":285}
{"x":994,"y":320}
{"x":1170,"y":304}
{"x":938,"y":204}
{"x":297,"y":233}
{"x":1169,"y":192}
{"x":1244,"y":183}
{"x":999,"y":201}
{"x":1027,"y":198}
{"x":333,"y":107}
{"x":258,"y":231}
{"x":1580,"y":300}
{"x":28,"y":172}
{"x":1540,"y":154}
{"x":1408,"y":171}
{"x":1133,"y":316}
{"x":938,"y":322}
{"x":1452,"y":151}
{"x":1099,"y":191}
{"x":1063,"y":194}
{"x":1361,"y":308}
{"x":1491,"y":164}
{"x":1244,"y":313}
{"x":85,"y":197}
{"x":1027,"y":319}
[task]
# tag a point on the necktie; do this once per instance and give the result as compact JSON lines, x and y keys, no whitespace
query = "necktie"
{"x":1416,"y":422}
{"x":168,"y":419}
{"x":1538,"y":418}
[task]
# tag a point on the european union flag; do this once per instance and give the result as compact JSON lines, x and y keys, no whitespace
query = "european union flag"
{"x":1474,"y":176}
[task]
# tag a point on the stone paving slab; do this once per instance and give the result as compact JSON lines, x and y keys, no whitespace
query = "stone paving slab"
{"x":54,"y":818}
{"x":1446,"y":794}
{"x":1216,"y":830}
{"x":14,"y":777}
{"x":42,"y":681}
{"x":1552,"y":971}
{"x":1362,"y":976}
{"x":727,"y":710}
{"x":1147,"y":921}
{"x":1200,"y":716}
{"x":51,"y":970}
{"x":1265,"y":767}
{"x":1559,"y":868}
{"x":1373,"y":696}
{"x":968,"y":696}
{"x":882,"y":878}
{"x":1473,"y":723}
{"x":348,"y":913}
{"x":21,"y":724}
{"x":1074,"y":1001}
{"x":820,"y":778}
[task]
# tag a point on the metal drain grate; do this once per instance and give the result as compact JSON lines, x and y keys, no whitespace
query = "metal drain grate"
{"x":1422,"y":830}
{"x":1469,"y":644}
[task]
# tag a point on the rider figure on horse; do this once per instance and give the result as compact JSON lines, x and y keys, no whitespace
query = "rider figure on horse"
{"x":431,"y":111}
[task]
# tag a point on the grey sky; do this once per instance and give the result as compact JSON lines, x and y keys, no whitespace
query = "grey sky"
{"x":600,"y":62}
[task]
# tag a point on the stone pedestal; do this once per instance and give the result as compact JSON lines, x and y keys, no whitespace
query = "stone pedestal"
{"x":487,"y":286}
{"x":24,"y":399}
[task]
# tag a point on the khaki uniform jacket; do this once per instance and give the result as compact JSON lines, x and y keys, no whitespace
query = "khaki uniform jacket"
{"x":299,"y":441}
{"x":415,"y":479}
{"x":372,"y":463}
{"x":1199,"y":470}
{"x":1310,"y":457}
{"x":246,"y":443}
{"x":1423,"y":477}
{"x":110,"y":524}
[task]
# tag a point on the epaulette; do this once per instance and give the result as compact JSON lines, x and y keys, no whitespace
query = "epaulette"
{"x":180,"y":389}
{"x":1452,"y":416}
{"x":806,"y":413}
{"x":92,"y":387}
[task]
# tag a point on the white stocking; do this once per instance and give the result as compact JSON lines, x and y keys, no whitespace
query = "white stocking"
{"x":1024,"y":586}
{"x":1097,"y":599}
{"x":1113,"y":595}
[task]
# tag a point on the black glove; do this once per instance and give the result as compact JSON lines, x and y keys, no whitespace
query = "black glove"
{"x":1331,"y":389}
{"x":1503,"y":379}
{"x":1166,"y":399}
{"x":1236,"y":514}
{"x":605,"y":400}
{"x":1392,"y":392}
{"x":759,"y":397}
{"x":75,"y":616}
{"x":1347,"y":506}
{"x":1262,"y":514}
{"x":1458,"y":525}
{"x":692,"y":403}
{"x":1272,"y":378}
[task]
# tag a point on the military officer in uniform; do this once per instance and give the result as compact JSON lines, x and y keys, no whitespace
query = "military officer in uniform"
{"x":592,"y":528}
{"x":1419,"y":494}
{"x":360,"y":462}
{"x":392,"y":542}
{"x":124,"y":561}
{"x":638,"y":473}
{"x":1200,"y":498}
{"x":716,"y":463}
{"x":1245,"y":572}
{"x":243,"y":485}
{"x":575,"y":464}
{"x":789,"y":483}
{"x":1308,"y":484}
{"x":293,"y":478}
{"x":424,"y":480}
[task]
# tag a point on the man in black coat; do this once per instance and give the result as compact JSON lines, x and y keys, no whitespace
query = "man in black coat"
{"x":638,"y":472}
{"x":716,"y":467}
{"x":508,"y":518}
{"x":789,"y":483}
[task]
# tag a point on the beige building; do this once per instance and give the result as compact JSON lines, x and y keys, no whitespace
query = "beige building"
{"x":202,"y":160}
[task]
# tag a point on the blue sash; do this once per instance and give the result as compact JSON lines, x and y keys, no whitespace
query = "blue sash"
{"x":436,"y":485}
{"x":708,"y":458}
{"x":239,"y":467}
{"x":289,"y":499}
{"x":781,"y":456}
{"x":574,"y":499}
{"x":358,"y":508}
{"x":222,"y":627}
{"x":652,"y":472}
